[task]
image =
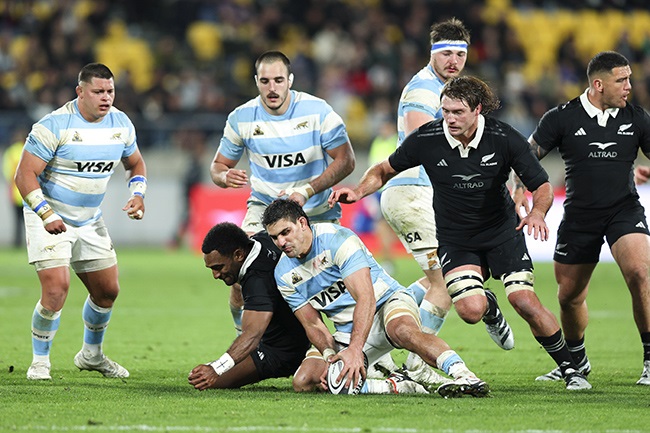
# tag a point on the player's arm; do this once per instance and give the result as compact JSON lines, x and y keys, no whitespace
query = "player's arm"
{"x":26,"y":178}
{"x":224,"y":173}
{"x":414,"y":119}
{"x":542,"y":201}
{"x":136,"y":174}
{"x":642,"y":172}
{"x":316,"y":330}
{"x":342,"y":165}
{"x":359,"y":285}
{"x":254,"y":323}
{"x":373,"y":179}
{"x":519,"y":189}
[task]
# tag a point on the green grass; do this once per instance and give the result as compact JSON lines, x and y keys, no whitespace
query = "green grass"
{"x":171,"y":316}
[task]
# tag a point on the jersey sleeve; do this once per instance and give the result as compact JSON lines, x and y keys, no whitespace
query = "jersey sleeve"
{"x":406,"y":155}
{"x":421,"y":99}
{"x":232,"y":144}
{"x":333,"y":131}
{"x":524,"y":162}
{"x":547,"y":134}
{"x":258,"y":292}
{"x":349,"y":253}
{"x":644,"y":140}
{"x":44,"y":138}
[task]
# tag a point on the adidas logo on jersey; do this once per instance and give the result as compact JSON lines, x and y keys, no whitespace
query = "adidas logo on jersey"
{"x":442,"y":163}
{"x":525,"y":257}
{"x":580,"y":132}
{"x":640,"y":225}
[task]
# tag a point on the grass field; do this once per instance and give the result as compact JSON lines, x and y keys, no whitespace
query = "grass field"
{"x":171,"y":316}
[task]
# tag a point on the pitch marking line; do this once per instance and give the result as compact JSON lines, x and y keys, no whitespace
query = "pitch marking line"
{"x":152,"y":428}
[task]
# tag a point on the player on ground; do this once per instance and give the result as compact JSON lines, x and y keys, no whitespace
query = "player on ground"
{"x":468,"y":158}
{"x":272,"y":343}
{"x":325,"y":268}
{"x":297,"y":147}
{"x":599,"y":135}
{"x":68,"y":159}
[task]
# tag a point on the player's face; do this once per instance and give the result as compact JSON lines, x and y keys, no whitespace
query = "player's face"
{"x":273,"y":85}
{"x":293,"y":238}
{"x":96,"y":98}
{"x":223,"y":267}
{"x":616,"y":87}
{"x":460,"y":119}
{"x":448,"y":63}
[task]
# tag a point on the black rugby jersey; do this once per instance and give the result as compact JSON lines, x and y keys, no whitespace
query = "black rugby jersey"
{"x":260,"y":293}
{"x":598,"y":160}
{"x":471,"y":201}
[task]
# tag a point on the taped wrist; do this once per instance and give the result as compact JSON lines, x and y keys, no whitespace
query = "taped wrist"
{"x":36,"y":201}
{"x":327,"y":353}
{"x":223,"y":364}
{"x":305,"y":190}
{"x":138,"y":185}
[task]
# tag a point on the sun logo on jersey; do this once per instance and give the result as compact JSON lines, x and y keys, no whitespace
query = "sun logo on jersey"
{"x":258,"y":130}
{"x":301,"y":125}
{"x":76,"y":136}
{"x":295,"y":278}
{"x":116,"y":136}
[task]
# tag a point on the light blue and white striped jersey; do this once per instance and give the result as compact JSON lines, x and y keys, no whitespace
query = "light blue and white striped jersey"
{"x":421,"y":94}
{"x":336,"y":252}
{"x":288,"y":150}
{"x":81,"y":157}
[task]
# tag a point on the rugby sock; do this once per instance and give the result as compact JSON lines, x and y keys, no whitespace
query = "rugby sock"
{"x":45,"y":323}
{"x":645,"y":339}
{"x":418,"y":290}
{"x":376,"y":386}
{"x":96,"y":320}
{"x":237,"y":313}
{"x":452,"y":364}
{"x":577,"y":349}
{"x":559,"y":351}
{"x":432,"y":317}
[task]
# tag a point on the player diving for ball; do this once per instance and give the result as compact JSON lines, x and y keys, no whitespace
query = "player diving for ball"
{"x":325,"y":268}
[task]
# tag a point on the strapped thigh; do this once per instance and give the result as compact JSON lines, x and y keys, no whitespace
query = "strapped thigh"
{"x":462,"y":284}
{"x":518,"y":280}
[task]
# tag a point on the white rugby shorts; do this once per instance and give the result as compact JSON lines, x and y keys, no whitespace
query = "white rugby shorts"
{"x":88,"y":248}
{"x":408,"y":209}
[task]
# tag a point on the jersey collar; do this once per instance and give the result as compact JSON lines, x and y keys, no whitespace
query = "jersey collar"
{"x":252,"y":255}
{"x":592,"y":111}
{"x":464,"y":151}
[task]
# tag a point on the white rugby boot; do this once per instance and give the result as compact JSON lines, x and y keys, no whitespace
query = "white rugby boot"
{"x":645,"y":376}
{"x":497,"y":326}
{"x":103,"y":364}
{"x":401,"y":384}
{"x":39,"y":370}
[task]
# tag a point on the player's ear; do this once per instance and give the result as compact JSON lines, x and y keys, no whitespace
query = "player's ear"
{"x":290,"y":79}
{"x":255,"y":76}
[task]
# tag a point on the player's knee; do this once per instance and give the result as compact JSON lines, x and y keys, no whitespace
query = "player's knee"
{"x":636,"y":276}
{"x":466,"y":291}
{"x":307,"y":377}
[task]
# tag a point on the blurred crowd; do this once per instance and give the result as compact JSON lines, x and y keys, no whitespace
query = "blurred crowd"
{"x":190,"y":62}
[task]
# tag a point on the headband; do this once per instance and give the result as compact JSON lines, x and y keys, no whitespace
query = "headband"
{"x":448,"y":45}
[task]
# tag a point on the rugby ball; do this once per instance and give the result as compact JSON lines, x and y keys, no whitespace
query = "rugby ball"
{"x":338,"y":387}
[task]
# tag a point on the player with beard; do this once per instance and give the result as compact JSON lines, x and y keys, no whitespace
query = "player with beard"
{"x":599,"y":135}
{"x":297,"y":147}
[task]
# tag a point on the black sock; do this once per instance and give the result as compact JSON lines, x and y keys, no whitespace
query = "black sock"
{"x":645,"y":339}
{"x":559,"y":351}
{"x":578,"y":351}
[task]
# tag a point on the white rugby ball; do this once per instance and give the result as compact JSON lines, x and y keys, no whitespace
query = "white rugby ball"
{"x":338,"y":387}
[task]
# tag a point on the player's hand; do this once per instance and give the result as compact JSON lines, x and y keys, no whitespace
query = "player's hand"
{"x":353,"y":365}
{"x":536,"y":225}
{"x":641,"y":174}
{"x":343,"y":195}
{"x":236,"y":178}
{"x":520,"y":199}
{"x":135,"y":207}
{"x":203,"y":377}
{"x":56,"y":227}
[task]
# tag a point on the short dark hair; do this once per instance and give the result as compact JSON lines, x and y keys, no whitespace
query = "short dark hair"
{"x":225,"y":238}
{"x":273,"y":56}
{"x":283,"y":209}
{"x":471,"y":90}
{"x":605,"y":61}
{"x":94,"y":70}
{"x":452,"y":29}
